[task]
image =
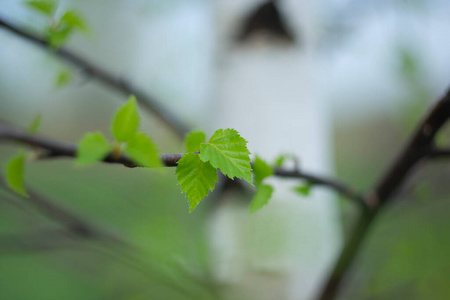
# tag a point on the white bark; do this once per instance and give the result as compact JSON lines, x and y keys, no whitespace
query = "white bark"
{"x":266,"y":90}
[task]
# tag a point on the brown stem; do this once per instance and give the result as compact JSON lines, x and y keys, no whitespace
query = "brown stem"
{"x":347,"y":256}
{"x":55,"y":148}
{"x":440,"y":153}
{"x":421,"y":146}
{"x":337,"y":186}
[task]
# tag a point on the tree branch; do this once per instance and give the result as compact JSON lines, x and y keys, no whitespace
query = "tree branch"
{"x":38,"y":241}
{"x":421,"y":146}
{"x":337,"y":186}
{"x":55,"y":149}
{"x":440,"y":153}
{"x":119,"y":84}
{"x":68,"y":220}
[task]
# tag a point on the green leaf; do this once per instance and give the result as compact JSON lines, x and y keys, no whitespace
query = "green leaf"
{"x":64,"y":77}
{"x":409,"y":64}
{"x":92,"y":147}
{"x":280,"y":160}
{"x":442,"y":139}
{"x":46,"y":7}
{"x":14,"y":174}
{"x":193,"y":141}
{"x":143,"y":151}
{"x":35,"y":124}
{"x":74,"y":20}
{"x":196,"y":178}
{"x":227,"y":151}
{"x":304,"y":189}
{"x":261,"y":198}
{"x":261,"y":170}
{"x":126,"y":121}
{"x":58,"y":35}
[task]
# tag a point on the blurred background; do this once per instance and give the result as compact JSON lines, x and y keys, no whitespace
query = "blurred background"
{"x":338,"y":83}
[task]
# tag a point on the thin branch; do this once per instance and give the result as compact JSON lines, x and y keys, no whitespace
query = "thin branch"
{"x":49,"y":240}
{"x":55,"y":148}
{"x":420,"y":147}
{"x":119,"y":84}
{"x":43,"y":240}
{"x":421,"y":141}
{"x":440,"y":153}
{"x":8,"y":198}
{"x":77,"y":230}
{"x":70,"y":221}
{"x":346,"y":257}
{"x":333,"y":184}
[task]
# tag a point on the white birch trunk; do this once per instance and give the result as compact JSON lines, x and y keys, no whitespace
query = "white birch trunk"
{"x":266,"y":90}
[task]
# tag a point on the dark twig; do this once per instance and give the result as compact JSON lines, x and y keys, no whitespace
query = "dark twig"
{"x":77,"y":230}
{"x":337,"y":186}
{"x":38,"y":241}
{"x":71,"y":222}
{"x":117,"y":83}
{"x":421,"y":146}
{"x":440,"y":153}
{"x":55,"y":148}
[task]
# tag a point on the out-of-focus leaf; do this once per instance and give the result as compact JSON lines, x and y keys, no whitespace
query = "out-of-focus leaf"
{"x":227,"y":151}
{"x":58,"y":35}
{"x":196,"y":178}
{"x":261,"y":198}
{"x":442,"y":139}
{"x":35,"y":124}
{"x":193,"y":141}
{"x":92,"y":147}
{"x":15,"y":172}
{"x":126,"y":121}
{"x":408,"y":64}
{"x":304,"y":189}
{"x":45,"y":7}
{"x":280,"y":160}
{"x":64,"y":77}
{"x":261,"y":170}
{"x":143,"y":151}
{"x":74,"y":20}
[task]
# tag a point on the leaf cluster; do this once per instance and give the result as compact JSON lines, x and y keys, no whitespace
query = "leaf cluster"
{"x":197,"y":170}
{"x":136,"y":145}
{"x":60,"y":27}
{"x":225,"y":151}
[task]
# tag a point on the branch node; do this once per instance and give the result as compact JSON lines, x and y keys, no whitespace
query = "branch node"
{"x":372,"y":200}
{"x":427,"y":129}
